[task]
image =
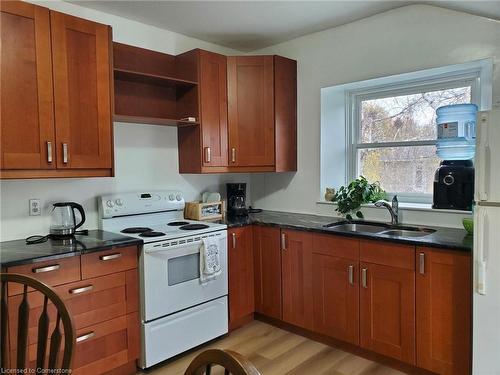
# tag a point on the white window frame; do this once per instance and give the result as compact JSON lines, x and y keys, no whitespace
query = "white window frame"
{"x":353,"y":101}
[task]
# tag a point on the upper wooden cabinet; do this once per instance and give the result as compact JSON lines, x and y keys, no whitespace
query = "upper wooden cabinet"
{"x":443,"y":286}
{"x":56,"y":94}
{"x":251,"y":110}
{"x":82,"y":97}
{"x":27,"y":113}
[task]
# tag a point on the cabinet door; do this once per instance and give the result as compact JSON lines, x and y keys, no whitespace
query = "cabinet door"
{"x":250,"y":82}
{"x":387,"y":311}
{"x":296,"y":274}
{"x":241,"y":288}
{"x":443,"y":311}
{"x":27,"y":113}
{"x":213,"y":103}
{"x":336,"y":297}
{"x":267,"y":265}
{"x":82,"y":92}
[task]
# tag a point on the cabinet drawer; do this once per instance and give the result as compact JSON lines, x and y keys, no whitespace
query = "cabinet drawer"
{"x":336,"y":246}
{"x":101,"y":347}
{"x":51,"y":272}
{"x":388,"y":254}
{"x":109,"y":261}
{"x":89,"y":302}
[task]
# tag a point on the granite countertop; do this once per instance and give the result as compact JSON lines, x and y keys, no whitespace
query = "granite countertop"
{"x":449,"y":238}
{"x":17,"y":252}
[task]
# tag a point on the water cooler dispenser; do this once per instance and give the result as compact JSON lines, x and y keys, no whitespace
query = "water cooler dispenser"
{"x":456,"y":145}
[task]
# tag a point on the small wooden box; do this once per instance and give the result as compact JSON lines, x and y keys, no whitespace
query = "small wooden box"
{"x":204,"y":211}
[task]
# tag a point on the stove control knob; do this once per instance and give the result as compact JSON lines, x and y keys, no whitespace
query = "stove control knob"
{"x":171,"y":197}
{"x":119,"y":202}
{"x":110,"y":203}
{"x":178,"y":197}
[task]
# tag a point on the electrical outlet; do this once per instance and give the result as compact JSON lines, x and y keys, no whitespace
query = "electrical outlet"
{"x":35,"y":208}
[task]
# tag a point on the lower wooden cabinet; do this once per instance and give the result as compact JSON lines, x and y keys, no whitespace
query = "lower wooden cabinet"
{"x":105,"y":310}
{"x":387,"y":311}
{"x":297,"y":277}
{"x":241,"y":280}
{"x":267,"y":263}
{"x":444,"y":293}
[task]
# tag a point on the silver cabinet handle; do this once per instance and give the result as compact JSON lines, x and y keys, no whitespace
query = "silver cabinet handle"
{"x":85,"y":337}
{"x":65,"y":153}
{"x":49,"y":152}
{"x":233,"y":155}
{"x":46,"y":269}
{"x":83,"y":289}
{"x":283,"y":241}
{"x":421,"y":263}
{"x":208,"y":154}
{"x":350,"y":272}
{"x":363,"y":277}
{"x":234,"y":240}
{"x":110,"y":256}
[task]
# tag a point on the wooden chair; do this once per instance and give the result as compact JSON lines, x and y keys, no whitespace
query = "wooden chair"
{"x":63,"y":317}
{"x":232,"y":362}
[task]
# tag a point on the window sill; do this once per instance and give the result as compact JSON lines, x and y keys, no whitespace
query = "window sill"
{"x":410,"y":207}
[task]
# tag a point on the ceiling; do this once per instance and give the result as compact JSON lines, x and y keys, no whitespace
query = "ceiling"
{"x":251,"y":25}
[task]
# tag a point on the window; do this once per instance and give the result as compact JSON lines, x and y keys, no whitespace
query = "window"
{"x":393,"y":134}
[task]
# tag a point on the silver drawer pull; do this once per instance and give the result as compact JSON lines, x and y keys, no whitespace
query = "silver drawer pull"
{"x":283,"y":241}
{"x":85,"y":337}
{"x":421,"y":265}
{"x":234,"y":240}
{"x":65,"y":153}
{"x":208,"y":154}
{"x":49,"y":152}
{"x":110,"y":256}
{"x":350,"y":271}
{"x":46,"y":269}
{"x":83,"y":289}
{"x":363,"y":277}
{"x":233,"y":155}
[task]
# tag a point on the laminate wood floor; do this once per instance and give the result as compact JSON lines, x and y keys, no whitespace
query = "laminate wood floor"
{"x":278,"y":352}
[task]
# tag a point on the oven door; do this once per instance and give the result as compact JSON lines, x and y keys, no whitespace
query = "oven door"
{"x":170,"y":276}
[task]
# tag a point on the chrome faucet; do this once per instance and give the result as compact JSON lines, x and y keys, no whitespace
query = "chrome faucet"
{"x":393,"y":210}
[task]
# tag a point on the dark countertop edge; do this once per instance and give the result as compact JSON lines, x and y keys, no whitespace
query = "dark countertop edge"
{"x":368,"y":236}
{"x":45,"y":258}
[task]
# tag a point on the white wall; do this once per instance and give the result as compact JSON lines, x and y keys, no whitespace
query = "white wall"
{"x":403,"y":40}
{"x":145,"y":155}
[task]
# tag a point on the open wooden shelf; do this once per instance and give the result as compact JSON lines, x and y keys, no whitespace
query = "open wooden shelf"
{"x":153,"y":120}
{"x":152,"y":79}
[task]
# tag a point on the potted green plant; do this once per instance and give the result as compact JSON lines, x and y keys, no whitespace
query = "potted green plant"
{"x":350,"y":198}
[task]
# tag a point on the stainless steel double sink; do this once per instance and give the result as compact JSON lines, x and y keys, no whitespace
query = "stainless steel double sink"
{"x":371,"y":227}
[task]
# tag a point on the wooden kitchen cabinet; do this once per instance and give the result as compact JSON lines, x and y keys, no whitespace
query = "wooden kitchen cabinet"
{"x":267,"y":270}
{"x":297,"y":277}
{"x":27,"y":113}
{"x":387,"y":299}
{"x":104,"y":307}
{"x":250,"y":81}
{"x":443,"y":295}
{"x":56,"y":94}
{"x":241,"y":279}
{"x":82,"y":92}
{"x":335,"y":290}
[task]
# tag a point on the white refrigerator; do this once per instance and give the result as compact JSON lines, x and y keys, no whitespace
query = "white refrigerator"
{"x":486,"y":292}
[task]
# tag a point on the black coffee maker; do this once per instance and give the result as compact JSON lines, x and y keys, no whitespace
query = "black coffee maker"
{"x":454,"y":185}
{"x":236,"y":199}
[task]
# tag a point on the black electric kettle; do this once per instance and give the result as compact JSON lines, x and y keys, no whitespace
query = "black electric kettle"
{"x":63,"y":219}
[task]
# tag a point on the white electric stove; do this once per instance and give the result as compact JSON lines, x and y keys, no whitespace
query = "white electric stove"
{"x":178,"y":312}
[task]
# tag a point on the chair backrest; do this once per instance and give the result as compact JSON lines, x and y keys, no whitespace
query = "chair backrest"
{"x":63,"y":318}
{"x":232,"y":362}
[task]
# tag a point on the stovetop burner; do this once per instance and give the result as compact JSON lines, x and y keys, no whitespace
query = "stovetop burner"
{"x":137,"y":230}
{"x":194,"y":226}
{"x":177,"y":223}
{"x":151,"y":234}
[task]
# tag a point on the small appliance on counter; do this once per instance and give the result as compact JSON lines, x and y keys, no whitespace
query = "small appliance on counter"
{"x":63,"y":223}
{"x":456,"y":145}
{"x":236,"y":199}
